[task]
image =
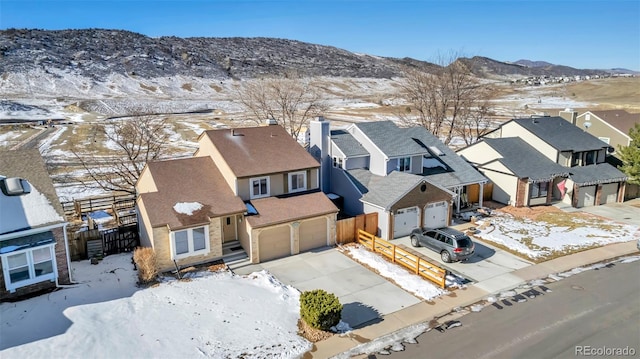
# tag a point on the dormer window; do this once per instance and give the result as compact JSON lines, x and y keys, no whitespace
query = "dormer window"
{"x":297,"y":181}
{"x":259,"y":187}
{"x":404,"y":164}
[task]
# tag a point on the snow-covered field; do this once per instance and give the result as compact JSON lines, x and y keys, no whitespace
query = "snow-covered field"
{"x":539,"y":239}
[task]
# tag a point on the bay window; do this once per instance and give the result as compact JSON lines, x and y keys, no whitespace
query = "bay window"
{"x":190,"y":242}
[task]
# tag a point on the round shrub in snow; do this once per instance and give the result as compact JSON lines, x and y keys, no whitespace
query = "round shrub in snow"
{"x":320,"y":309}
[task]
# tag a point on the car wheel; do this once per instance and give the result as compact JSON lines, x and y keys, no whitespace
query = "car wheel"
{"x":414,"y":241}
{"x":445,"y":257}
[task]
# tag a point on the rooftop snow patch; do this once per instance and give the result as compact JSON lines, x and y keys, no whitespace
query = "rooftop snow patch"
{"x":29,"y":210}
{"x":187,"y":207}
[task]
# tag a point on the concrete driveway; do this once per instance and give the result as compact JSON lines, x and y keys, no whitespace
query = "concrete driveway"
{"x":627,"y":212}
{"x":365,"y":296}
{"x":487,"y":265}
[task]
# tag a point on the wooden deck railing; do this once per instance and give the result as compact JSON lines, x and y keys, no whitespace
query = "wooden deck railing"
{"x":397,"y":255}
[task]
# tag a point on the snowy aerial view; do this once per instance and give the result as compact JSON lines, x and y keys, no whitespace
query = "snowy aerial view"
{"x":316,"y":180}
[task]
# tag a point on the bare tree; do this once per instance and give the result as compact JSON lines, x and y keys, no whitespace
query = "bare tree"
{"x":292,"y":101}
{"x":132,"y":142}
{"x":449,"y":100}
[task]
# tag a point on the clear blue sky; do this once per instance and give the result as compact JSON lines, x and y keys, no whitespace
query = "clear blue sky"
{"x":578,"y":33}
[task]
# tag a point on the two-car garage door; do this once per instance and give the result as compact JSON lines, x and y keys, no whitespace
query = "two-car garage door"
{"x":275,"y":242}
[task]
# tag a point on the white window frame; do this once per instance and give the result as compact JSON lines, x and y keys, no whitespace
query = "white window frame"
{"x":400,"y":168}
{"x":304,"y":179}
{"x":605,"y":139}
{"x":261,"y":195}
{"x":191,"y":251}
{"x":33,"y":279}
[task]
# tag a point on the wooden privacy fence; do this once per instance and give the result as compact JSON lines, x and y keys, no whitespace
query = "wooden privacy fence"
{"x":78,"y":207}
{"x":397,"y":255}
{"x":347,"y":229}
{"x":86,"y":244}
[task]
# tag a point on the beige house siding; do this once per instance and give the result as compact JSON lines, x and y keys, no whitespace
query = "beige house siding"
{"x":278,"y":183}
{"x":245,"y":238}
{"x":512,"y":129}
{"x":206,"y":148}
{"x":143,"y":223}
{"x":601,"y":129}
{"x":504,"y":187}
{"x":145,"y":182}
{"x":479,"y":153}
{"x":162,"y":247}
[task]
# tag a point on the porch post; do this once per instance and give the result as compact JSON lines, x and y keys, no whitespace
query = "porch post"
{"x":458,"y":200}
{"x":481,"y":195}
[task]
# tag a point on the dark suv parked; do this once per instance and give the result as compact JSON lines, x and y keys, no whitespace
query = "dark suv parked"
{"x":452,"y":244}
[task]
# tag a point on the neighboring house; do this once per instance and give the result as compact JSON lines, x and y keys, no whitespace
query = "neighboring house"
{"x":255,"y":187}
{"x":591,"y":181}
{"x":521,"y":175}
{"x":610,"y":126}
{"x":34,"y":253}
{"x":406,"y":175}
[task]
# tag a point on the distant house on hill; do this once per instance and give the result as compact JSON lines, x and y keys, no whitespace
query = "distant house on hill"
{"x":34,"y":253}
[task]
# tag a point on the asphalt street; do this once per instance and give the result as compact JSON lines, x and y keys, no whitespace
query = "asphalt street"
{"x":597,"y":311}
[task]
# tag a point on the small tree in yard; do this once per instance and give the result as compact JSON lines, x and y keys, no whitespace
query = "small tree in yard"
{"x":630,"y":156}
{"x":320,"y":309}
{"x":133,"y":142}
{"x":145,"y":260}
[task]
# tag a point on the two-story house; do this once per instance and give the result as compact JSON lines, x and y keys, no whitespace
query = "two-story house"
{"x":406,"y":175}
{"x":255,"y":187}
{"x":34,"y":252}
{"x":522,"y":176}
{"x":610,"y":126}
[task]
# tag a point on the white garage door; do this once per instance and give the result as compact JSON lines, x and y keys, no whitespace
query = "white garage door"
{"x":435,"y":215}
{"x":406,"y":220}
{"x":609,"y":193}
{"x":313,"y":234}
{"x":586,"y":196}
{"x":274,"y":243}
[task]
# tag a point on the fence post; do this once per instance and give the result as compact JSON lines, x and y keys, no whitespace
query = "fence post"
{"x":394,"y":253}
{"x":418,"y":265}
{"x":373,"y":243}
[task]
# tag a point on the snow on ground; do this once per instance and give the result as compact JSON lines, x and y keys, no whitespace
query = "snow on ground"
{"x":219,"y":315}
{"x":412,"y":283}
{"x":535,"y":239}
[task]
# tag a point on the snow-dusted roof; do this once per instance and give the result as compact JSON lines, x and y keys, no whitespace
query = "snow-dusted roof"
{"x":41,"y":206}
{"x":26,"y":211}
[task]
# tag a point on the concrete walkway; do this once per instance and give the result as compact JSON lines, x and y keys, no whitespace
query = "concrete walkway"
{"x":426,"y":311}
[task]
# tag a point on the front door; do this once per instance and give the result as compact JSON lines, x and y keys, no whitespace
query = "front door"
{"x":229,"y":228}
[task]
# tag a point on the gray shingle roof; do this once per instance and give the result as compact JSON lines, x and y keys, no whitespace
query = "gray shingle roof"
{"x":29,"y":164}
{"x":460,"y":172}
{"x":524,"y":160}
{"x":596,"y":174}
{"x":384,"y":191}
{"x":390,"y":139}
{"x":348,"y":144}
{"x":561,"y":134}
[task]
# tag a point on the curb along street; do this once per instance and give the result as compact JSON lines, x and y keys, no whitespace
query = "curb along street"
{"x":427,"y":312}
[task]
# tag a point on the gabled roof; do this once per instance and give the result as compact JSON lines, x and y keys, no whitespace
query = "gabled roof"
{"x":524,"y":160}
{"x":561,"y":134}
{"x":188,"y":181}
{"x":348,"y":144}
{"x":390,"y":139}
{"x":596,"y":174}
{"x":384,"y":191}
{"x":41,"y":207}
{"x":254,"y":151}
{"x":274,"y":210}
{"x":458,"y":173}
{"x":619,"y":119}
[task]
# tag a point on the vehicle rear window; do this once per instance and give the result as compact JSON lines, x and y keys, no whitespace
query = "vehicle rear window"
{"x":464,"y":242}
